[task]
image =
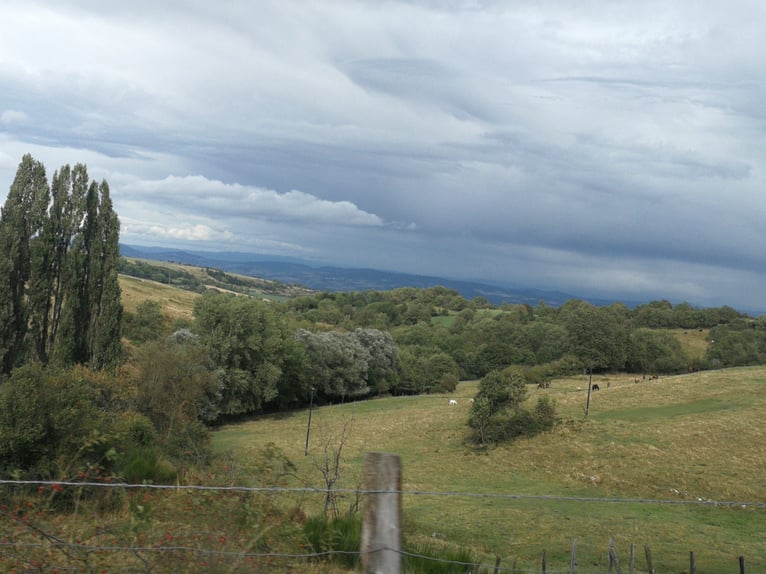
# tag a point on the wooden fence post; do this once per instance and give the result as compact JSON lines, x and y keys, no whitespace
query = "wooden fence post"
{"x":649,"y":564}
{"x":632,"y":561}
{"x":741,"y":565}
{"x":572,"y":560}
{"x":381,"y":530}
{"x":545,"y":563}
{"x":613,"y":561}
{"x":692,"y":563}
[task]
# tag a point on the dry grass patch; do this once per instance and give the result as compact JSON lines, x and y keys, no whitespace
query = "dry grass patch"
{"x":694,"y":342}
{"x":176,"y":303}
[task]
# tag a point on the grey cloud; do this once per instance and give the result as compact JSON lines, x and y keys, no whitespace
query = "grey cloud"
{"x":550,"y":143}
{"x":215,"y":198}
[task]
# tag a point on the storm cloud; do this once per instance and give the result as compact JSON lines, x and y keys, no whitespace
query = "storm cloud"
{"x":606,"y":149}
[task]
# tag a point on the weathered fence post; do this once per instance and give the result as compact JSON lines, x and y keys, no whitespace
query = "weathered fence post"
{"x":613,"y":561}
{"x":692,"y":563}
{"x":572,"y":559}
{"x":497,"y":564}
{"x":741,"y":565}
{"x":544,"y":565}
{"x":381,"y":531}
{"x":649,"y":564}
{"x":632,"y":561}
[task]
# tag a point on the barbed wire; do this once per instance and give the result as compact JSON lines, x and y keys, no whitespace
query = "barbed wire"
{"x":319,"y":490}
{"x":282,"y":555}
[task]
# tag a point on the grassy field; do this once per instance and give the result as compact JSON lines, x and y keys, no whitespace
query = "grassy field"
{"x":175,"y":303}
{"x":677,"y":439}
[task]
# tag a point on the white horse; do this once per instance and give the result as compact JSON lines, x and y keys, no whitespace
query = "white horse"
{"x":452,"y":402}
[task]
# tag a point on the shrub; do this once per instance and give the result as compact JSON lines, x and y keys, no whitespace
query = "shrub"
{"x":143,"y":464}
{"x":545,"y":412}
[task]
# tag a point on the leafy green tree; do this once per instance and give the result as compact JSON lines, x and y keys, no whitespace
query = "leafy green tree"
{"x":498,"y":414}
{"x":480,"y":417}
{"x":595,"y":335}
{"x":247,"y":345}
{"x":736,"y":347}
{"x":425,"y":369}
{"x":146,"y":324}
{"x":382,"y":360}
{"x":338,"y":362}
{"x":177,"y":391}
{"x":504,"y":389}
{"x":652,"y":351}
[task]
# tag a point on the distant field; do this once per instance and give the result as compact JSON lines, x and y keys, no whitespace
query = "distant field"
{"x":175,"y":302}
{"x":676,"y":439}
{"x":694,"y":342}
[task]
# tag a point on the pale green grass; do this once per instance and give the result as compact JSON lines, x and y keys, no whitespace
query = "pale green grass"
{"x":676,"y":439}
{"x":694,"y":342}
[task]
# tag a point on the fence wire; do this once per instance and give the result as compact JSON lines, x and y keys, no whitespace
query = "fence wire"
{"x":358,"y":491}
{"x":137,"y":551}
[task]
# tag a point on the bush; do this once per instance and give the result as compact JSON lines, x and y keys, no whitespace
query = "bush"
{"x":145,"y":465}
{"x":54,"y":421}
{"x":447,"y":384}
{"x":545,"y":412}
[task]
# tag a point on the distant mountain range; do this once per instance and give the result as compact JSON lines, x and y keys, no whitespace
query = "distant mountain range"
{"x":325,"y":278}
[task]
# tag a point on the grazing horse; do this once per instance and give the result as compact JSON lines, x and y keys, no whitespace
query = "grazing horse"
{"x":594,"y":388}
{"x":452,"y":402}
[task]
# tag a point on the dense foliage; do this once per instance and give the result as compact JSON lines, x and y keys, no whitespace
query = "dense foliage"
{"x":59,"y":294}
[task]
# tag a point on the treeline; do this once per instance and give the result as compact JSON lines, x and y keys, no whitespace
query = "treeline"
{"x":175,"y":277}
{"x":438,"y":327}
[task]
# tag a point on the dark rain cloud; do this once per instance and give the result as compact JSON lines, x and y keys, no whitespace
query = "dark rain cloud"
{"x":610,"y":149}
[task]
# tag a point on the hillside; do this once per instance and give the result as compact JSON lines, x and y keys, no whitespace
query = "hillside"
{"x":328,"y":278}
{"x":682,"y":440}
{"x":159,"y":280}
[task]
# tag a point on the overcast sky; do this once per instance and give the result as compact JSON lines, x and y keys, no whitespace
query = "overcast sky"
{"x":600,"y":148}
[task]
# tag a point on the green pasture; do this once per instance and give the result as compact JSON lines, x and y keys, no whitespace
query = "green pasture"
{"x":680,"y":440}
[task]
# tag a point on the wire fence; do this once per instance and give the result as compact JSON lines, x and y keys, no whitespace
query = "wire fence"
{"x":35,"y":539}
{"x":361,"y":491}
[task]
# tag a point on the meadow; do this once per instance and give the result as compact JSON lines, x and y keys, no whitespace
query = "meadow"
{"x":658,"y":451}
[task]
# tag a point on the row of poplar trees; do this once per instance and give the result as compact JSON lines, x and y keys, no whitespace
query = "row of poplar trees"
{"x":59,"y":251}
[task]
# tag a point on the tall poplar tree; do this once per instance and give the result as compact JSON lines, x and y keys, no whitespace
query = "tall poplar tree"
{"x":59,"y":251}
{"x":21,"y":221}
{"x":105,"y":327}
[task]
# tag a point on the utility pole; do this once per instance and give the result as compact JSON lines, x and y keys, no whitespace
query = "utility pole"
{"x":308,"y":428}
